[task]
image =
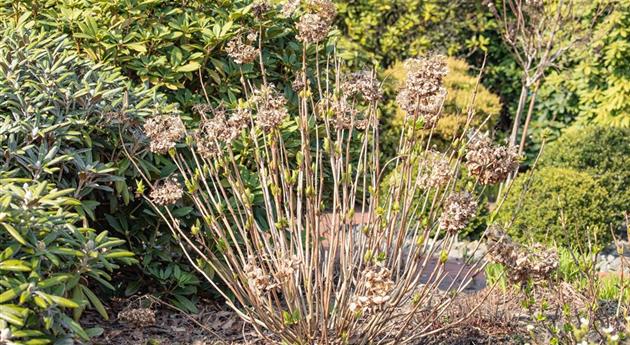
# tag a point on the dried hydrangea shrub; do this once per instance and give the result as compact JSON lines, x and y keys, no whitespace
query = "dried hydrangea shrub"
{"x":271,"y":107}
{"x":363,"y":83}
{"x":164,"y":132}
{"x":522,"y":264}
{"x":260,"y":8}
{"x":167,"y":192}
{"x":488,"y":162}
{"x":314,"y":25}
{"x":377,"y":284}
{"x":257,"y":278}
{"x":459,"y":209}
{"x":242,"y":51}
{"x":436,"y":170}
{"x":423,"y":92}
{"x":218,"y":129}
{"x":289,"y":7}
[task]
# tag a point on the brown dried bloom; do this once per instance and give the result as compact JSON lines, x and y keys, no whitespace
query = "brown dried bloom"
{"x":260,"y":8}
{"x":535,"y":262}
{"x":289,"y":7}
{"x":141,"y":317}
{"x":271,"y":107}
{"x":164,"y":132}
{"x":459,"y":209}
{"x":378,"y":284}
{"x":167,"y":192}
{"x":257,"y":279}
{"x":241,"y":51}
{"x":436,"y":170}
{"x":286,"y":268}
{"x":488,"y":162}
{"x":423,"y":92}
{"x":313,"y":26}
{"x":363,"y":83}
{"x":220,"y":129}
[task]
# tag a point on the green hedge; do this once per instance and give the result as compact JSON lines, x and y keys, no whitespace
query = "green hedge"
{"x":557,"y":205}
{"x":603,"y":153}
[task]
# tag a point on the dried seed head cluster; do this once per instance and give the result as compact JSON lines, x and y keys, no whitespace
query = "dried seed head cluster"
{"x":257,"y":279}
{"x":423,"y":92}
{"x":167,"y":192}
{"x":220,"y":129}
{"x":141,"y":317}
{"x":436,"y":170}
{"x":289,"y":7}
{"x":164,"y":132}
{"x":271,"y":107}
{"x":459,"y":209}
{"x":242,"y":51}
{"x":377,"y":283}
{"x":535,"y":262}
{"x":260,"y":8}
{"x":286,"y":268}
{"x":363,"y":83}
{"x":314,"y":25}
{"x":488,"y":162}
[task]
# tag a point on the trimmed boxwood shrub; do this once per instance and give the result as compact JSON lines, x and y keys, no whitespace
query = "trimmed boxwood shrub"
{"x":557,"y":205}
{"x":603,"y":153}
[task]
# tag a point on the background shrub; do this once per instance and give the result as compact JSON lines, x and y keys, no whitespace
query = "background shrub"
{"x":601,"y":152}
{"x":170,"y":44}
{"x":48,"y":264}
{"x":557,"y":205}
{"x":63,"y":119}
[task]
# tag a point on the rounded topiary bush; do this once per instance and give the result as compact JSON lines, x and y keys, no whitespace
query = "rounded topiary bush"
{"x":557,"y":205}
{"x":603,"y":153}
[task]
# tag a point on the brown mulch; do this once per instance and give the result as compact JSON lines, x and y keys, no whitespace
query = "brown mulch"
{"x":215,"y":324}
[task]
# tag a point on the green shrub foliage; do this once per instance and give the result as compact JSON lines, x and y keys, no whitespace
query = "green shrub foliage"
{"x":48,"y":263}
{"x":557,"y":205}
{"x":63,"y":119}
{"x":603,"y":153}
{"x":175,"y":45}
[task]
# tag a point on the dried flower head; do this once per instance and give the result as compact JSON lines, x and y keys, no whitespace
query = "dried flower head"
{"x":289,"y":7}
{"x":167,"y":192}
{"x":436,"y":170}
{"x":459,"y":209}
{"x":286,"y":268}
{"x":141,"y":317}
{"x":522,"y":264}
{"x":363,"y":83}
{"x":258,"y":280}
{"x":374,"y":285}
{"x":488,"y":162}
{"x":242,"y":51}
{"x":260,"y":8}
{"x":423,"y":92}
{"x":220,"y":129}
{"x":202,"y":109}
{"x":271,"y":107}
{"x":314,"y":25}
{"x":164,"y":132}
